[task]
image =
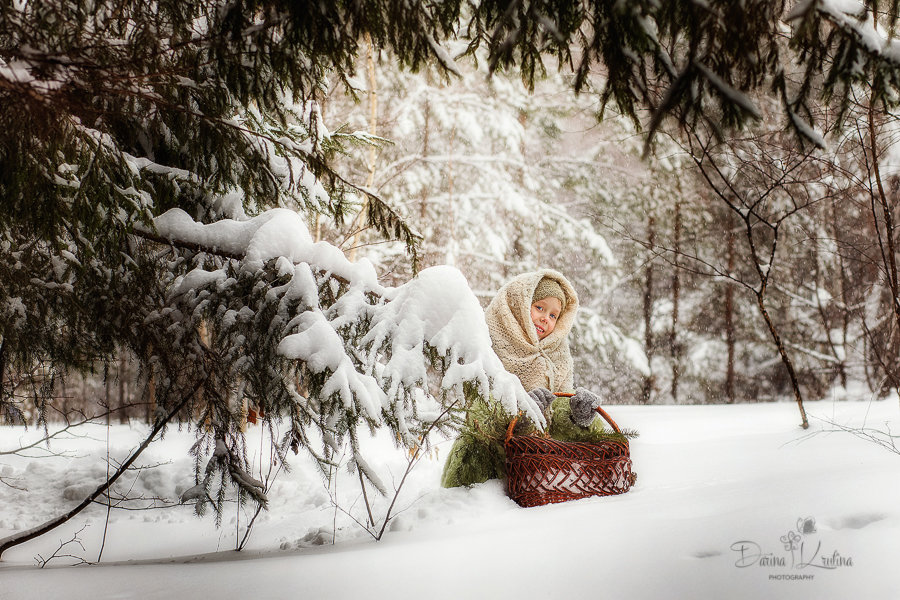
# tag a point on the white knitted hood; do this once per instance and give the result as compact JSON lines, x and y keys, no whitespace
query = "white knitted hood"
{"x":537,"y":363}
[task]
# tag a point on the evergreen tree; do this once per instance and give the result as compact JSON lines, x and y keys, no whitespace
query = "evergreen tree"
{"x":115,"y":114}
{"x":129,"y":128}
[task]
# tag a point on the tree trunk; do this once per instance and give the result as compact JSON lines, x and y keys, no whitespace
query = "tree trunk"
{"x":107,"y":387}
{"x":150,"y":392}
{"x":888,"y":253}
{"x":423,"y":204}
{"x":360,"y":222}
{"x":729,"y":319}
{"x":676,"y":297}
{"x":764,"y":273}
{"x":785,"y":359}
{"x":123,"y":412}
{"x":451,"y":256}
{"x":2,"y":363}
{"x":827,"y":319}
{"x":842,"y":291}
{"x":647,"y":390}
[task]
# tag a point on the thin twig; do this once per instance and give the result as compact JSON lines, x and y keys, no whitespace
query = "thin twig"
{"x":411,"y":462}
{"x":42,"y":562}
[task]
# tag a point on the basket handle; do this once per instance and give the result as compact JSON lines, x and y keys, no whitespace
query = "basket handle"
{"x":509,"y":429}
{"x":609,"y":420}
{"x":599,"y":409}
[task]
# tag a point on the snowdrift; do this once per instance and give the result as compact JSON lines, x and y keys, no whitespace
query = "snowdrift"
{"x":730,"y":502}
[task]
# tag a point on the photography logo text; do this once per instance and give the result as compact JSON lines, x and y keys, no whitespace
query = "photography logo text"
{"x":799,"y":554}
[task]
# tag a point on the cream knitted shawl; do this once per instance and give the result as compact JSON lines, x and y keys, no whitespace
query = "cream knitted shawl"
{"x":537,"y":363}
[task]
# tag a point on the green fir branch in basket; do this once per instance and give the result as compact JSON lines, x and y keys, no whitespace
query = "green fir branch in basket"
{"x":561,"y":426}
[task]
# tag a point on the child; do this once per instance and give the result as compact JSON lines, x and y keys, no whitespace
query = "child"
{"x":529,"y":321}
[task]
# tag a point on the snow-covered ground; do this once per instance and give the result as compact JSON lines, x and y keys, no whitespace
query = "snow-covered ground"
{"x":730,"y":502}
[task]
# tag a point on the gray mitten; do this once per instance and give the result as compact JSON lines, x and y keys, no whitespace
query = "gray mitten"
{"x":543,"y":397}
{"x":583,"y":405}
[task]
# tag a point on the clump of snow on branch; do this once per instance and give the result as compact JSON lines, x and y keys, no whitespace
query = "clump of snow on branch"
{"x":322,"y":349}
{"x":276,"y":233}
{"x":438,"y":308}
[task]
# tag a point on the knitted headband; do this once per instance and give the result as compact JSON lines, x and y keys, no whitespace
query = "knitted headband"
{"x":549,"y":288}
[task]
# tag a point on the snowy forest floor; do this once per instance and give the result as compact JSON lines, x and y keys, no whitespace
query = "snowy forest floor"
{"x":730,"y":502}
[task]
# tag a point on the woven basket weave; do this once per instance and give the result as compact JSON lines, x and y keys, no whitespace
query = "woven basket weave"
{"x":543,"y":471}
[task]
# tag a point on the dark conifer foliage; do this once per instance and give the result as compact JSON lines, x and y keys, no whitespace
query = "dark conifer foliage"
{"x":700,"y":61}
{"x":114,"y":112}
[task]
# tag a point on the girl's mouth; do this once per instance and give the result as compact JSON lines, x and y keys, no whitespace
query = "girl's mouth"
{"x":540,"y":329}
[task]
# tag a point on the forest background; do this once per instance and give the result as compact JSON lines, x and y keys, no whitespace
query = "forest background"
{"x":673,"y":248}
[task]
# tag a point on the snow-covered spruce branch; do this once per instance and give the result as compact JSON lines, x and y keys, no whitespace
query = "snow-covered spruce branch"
{"x":433,"y":308}
{"x":313,"y":338}
{"x":854,"y":20}
{"x":289,"y":160}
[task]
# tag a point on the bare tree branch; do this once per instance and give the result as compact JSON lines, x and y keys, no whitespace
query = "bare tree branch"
{"x":30,"y":534}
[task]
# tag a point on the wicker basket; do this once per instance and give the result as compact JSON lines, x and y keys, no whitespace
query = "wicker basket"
{"x":543,"y":471}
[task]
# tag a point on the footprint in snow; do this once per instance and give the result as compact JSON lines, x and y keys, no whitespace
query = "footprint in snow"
{"x":858,"y":521}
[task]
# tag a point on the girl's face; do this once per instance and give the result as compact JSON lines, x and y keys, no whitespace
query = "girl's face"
{"x":544,"y":314}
